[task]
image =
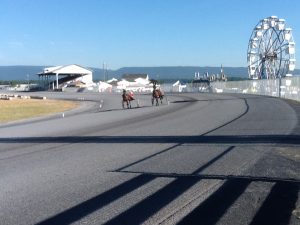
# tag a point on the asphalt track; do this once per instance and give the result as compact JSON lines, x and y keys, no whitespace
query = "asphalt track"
{"x":201,"y":159}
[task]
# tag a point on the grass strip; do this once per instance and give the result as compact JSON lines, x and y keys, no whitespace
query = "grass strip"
{"x":18,"y":109}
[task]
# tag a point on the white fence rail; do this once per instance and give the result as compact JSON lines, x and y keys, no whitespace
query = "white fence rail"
{"x":288,"y":87}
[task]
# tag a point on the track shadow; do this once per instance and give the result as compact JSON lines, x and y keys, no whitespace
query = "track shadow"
{"x":216,"y":177}
{"x":218,"y":139}
{"x":85,"y":208}
{"x":141,"y":211}
{"x":121,"y":109}
{"x":278,"y":207}
{"x":285,"y":192}
{"x":204,"y":100}
{"x":211,"y":210}
{"x":137,"y":213}
{"x":238,"y":97}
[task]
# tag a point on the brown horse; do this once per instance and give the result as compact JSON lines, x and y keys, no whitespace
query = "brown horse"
{"x":157,"y":94}
{"x":126,"y":98}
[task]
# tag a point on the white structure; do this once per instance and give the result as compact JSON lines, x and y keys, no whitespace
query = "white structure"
{"x":112,"y":80}
{"x":69,"y":73}
{"x":135,"y":82}
{"x":104,"y":86}
{"x":178,"y":87}
{"x":123,"y":84}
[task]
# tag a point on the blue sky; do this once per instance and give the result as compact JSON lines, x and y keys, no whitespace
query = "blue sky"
{"x":135,"y":32}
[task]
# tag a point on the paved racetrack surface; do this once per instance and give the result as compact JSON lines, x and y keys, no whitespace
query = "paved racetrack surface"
{"x":196,"y":159}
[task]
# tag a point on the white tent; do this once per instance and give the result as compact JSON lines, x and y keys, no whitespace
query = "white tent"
{"x":112,"y":80}
{"x":142,"y":81}
{"x":123,"y":84}
{"x":178,"y":87}
{"x":103,"y":86}
{"x":177,"y":83}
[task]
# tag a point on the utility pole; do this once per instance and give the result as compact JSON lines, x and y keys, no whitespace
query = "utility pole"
{"x":27,"y":81}
{"x":104,"y":69}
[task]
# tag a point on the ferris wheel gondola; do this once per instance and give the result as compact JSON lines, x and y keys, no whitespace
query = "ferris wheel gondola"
{"x":271,"y":49}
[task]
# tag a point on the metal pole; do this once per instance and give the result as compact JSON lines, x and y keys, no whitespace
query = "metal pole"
{"x":28,"y":82}
{"x":104,"y":79}
{"x":106,"y":72}
{"x":279,"y":87}
{"x":57,"y":81}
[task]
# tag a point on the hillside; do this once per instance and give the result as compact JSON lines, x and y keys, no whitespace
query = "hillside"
{"x":20,"y":72}
{"x":162,"y":73}
{"x":181,"y":72}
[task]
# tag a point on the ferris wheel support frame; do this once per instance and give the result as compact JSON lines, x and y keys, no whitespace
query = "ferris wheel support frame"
{"x":271,"y":49}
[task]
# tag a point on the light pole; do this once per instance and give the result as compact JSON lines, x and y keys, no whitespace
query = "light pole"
{"x":104,"y":71}
{"x":27,"y":82}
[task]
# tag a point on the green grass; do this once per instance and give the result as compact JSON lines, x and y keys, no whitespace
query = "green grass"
{"x":18,"y":109}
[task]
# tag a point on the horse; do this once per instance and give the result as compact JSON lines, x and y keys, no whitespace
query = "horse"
{"x":157,"y":94}
{"x":126,"y":98}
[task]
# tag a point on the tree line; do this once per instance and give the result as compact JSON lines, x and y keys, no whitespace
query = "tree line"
{"x":14,"y":83}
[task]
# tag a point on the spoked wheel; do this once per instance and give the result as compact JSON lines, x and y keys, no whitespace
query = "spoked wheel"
{"x":166,"y":100}
{"x":157,"y":103}
{"x":271,"y":50}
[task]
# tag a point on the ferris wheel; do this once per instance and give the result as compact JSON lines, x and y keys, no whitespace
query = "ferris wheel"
{"x":271,"y":50}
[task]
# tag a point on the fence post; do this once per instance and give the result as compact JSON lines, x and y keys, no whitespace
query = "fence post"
{"x":279,"y":87}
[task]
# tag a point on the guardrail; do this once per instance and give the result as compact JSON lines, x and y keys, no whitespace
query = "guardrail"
{"x":288,"y":87}
{"x":14,"y":96}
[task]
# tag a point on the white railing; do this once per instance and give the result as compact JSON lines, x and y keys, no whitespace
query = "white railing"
{"x":288,"y":87}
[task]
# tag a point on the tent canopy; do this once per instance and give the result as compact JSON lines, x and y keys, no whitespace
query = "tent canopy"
{"x":63,"y":70}
{"x":69,"y":73}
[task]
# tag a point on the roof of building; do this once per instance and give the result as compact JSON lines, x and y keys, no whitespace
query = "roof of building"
{"x":72,"y":69}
